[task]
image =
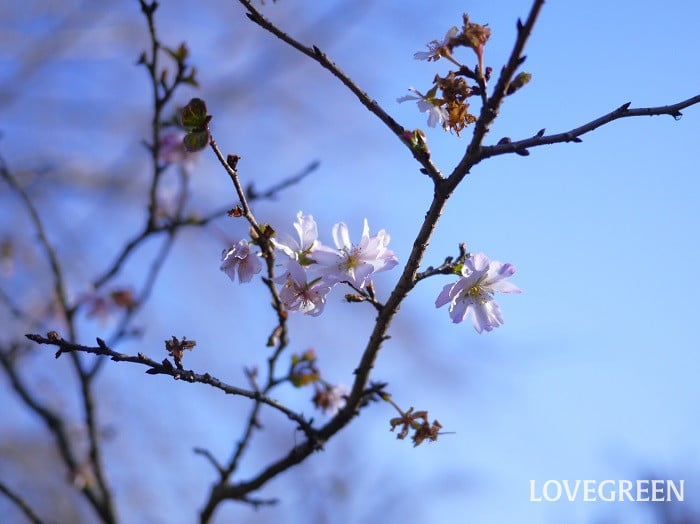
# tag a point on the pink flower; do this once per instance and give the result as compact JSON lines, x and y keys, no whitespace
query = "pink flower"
{"x":238,"y":259}
{"x":354,"y":263}
{"x":307,"y":232}
{"x":473,"y":292}
{"x":298,"y":294}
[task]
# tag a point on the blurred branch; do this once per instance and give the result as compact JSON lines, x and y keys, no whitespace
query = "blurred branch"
{"x":274,"y":190}
{"x":49,"y":251}
{"x":100,"y":501}
{"x":21,"y":504}
{"x":14,"y":309}
{"x":624,"y":111}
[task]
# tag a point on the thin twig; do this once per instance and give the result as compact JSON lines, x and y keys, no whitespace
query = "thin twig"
{"x":447,"y":267}
{"x":207,"y":454}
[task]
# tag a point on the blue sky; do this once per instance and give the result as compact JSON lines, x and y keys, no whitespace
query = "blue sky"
{"x":593,"y":375}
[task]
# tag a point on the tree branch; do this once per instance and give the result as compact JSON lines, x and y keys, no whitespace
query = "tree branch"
{"x":167,"y":368}
{"x":624,"y":111}
{"x":490,"y":110}
{"x":319,"y":56}
{"x":443,"y":190}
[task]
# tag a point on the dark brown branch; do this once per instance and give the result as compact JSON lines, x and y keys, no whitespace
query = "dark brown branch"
{"x":443,"y":190}
{"x":319,"y":56}
{"x":447,"y":267}
{"x":167,"y":368}
{"x":357,"y":396}
{"x":490,"y":111}
{"x":623,"y":111}
{"x":278,"y":338}
{"x":229,"y":164}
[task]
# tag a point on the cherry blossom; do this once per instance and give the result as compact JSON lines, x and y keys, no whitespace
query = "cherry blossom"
{"x":307,"y":232}
{"x":300,"y":294}
{"x":354,"y":263}
{"x":473,"y":292}
{"x":437,"y":114}
{"x":239,"y":260}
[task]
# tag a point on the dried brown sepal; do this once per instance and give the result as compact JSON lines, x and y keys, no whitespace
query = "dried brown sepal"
{"x":352,"y":297}
{"x":176,"y":348}
{"x":236,"y":212}
{"x":429,"y":431}
{"x":455,"y":91}
{"x":474,"y":36}
{"x":418,"y":422}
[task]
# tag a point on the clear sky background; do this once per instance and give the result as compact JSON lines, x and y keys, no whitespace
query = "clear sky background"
{"x":594,"y":374}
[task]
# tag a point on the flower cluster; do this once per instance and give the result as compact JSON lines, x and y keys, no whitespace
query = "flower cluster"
{"x":473,"y":293}
{"x":312,"y":269}
{"x":451,"y":109}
